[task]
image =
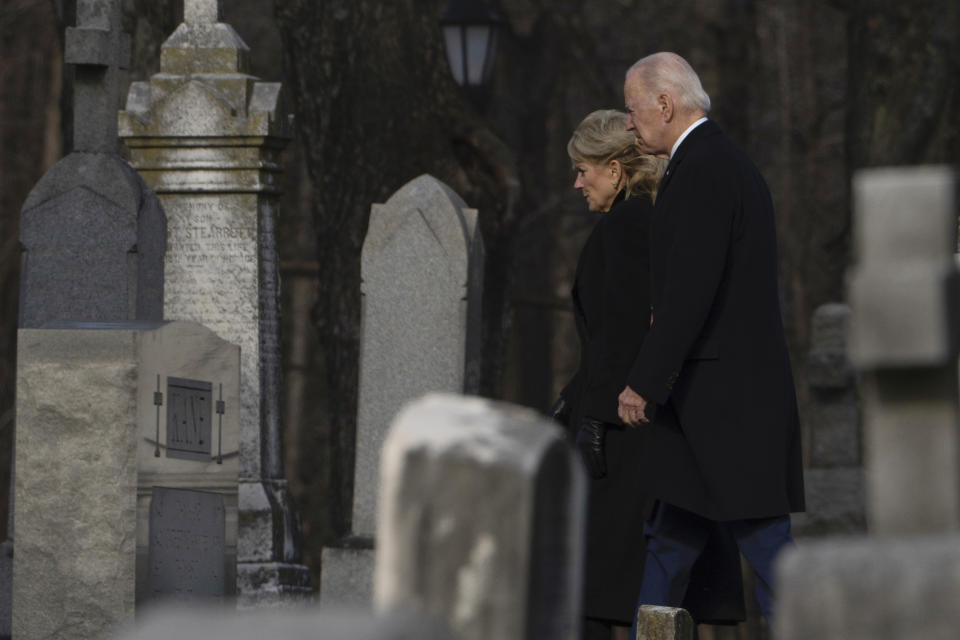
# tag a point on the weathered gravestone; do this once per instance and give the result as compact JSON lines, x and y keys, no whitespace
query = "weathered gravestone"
{"x":95,"y":411}
{"x":904,"y":581}
{"x":834,"y":476}
{"x":207,"y":136}
{"x":481,"y":520}
{"x":422,"y":272}
{"x":92,"y":234}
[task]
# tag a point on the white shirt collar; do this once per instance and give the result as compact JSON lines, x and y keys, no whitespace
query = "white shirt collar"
{"x":676,"y":145}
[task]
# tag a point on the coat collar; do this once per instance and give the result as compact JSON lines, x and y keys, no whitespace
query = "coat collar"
{"x":705,"y":130}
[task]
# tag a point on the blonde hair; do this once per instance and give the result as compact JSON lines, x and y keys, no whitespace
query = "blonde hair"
{"x":602,"y":137}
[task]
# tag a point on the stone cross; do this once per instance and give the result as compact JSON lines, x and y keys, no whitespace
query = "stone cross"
{"x":99,"y":51}
{"x":202,"y":11}
{"x":481,"y":520}
{"x":905,"y":298}
{"x":904,"y":580}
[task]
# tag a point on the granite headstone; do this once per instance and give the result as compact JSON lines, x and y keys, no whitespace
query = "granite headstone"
{"x":422,"y":276}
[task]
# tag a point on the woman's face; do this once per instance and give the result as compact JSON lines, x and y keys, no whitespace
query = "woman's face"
{"x":599,"y":183}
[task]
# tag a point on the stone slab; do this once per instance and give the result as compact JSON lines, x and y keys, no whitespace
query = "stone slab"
{"x":870,"y":589}
{"x":347,"y":577}
{"x":187,"y":545}
{"x":76,"y":483}
{"x":663,"y":623}
{"x":295,"y":623}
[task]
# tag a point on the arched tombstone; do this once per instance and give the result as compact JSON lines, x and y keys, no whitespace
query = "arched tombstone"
{"x":422,"y":276}
{"x":93,"y":237}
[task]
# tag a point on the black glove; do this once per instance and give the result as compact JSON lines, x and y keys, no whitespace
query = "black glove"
{"x":560,"y":411}
{"x":590,"y":437}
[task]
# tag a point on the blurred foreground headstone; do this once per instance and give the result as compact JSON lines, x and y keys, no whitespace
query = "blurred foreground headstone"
{"x":481,"y":520}
{"x":289,"y":624}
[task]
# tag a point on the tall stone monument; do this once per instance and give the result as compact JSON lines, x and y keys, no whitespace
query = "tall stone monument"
{"x":206,"y":136}
{"x":422,"y":276}
{"x":903,"y":581}
{"x":482,"y":509}
{"x":92,"y":234}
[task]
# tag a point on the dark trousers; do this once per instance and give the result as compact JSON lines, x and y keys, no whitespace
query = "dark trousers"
{"x":676,"y":538}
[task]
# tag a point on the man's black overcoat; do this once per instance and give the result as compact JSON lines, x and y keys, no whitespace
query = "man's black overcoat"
{"x":726,"y":441}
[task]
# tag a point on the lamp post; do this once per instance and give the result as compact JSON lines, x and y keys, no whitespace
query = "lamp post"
{"x":470,"y":30}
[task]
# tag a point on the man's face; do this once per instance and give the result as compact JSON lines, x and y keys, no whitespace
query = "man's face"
{"x":645,"y":117}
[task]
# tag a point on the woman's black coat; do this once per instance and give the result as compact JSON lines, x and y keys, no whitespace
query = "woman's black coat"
{"x":612,"y":312}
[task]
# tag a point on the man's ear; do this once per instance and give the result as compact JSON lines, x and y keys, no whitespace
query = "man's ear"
{"x":667,"y":106}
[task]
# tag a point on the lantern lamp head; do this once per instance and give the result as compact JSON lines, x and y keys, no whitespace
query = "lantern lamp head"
{"x":470,"y":30}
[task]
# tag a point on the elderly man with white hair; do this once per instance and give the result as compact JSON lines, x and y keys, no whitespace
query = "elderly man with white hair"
{"x":711,"y":387}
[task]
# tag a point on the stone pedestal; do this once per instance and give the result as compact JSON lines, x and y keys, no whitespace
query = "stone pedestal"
{"x":206,"y":136}
{"x":92,"y":442}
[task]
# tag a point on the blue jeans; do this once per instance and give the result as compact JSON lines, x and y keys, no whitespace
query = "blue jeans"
{"x":676,"y":538}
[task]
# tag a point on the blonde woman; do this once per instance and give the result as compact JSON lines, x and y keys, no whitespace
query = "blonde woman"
{"x":612,"y":310}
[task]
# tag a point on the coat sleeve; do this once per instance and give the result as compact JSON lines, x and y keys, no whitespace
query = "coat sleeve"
{"x":625,"y":310}
{"x":702,"y":209}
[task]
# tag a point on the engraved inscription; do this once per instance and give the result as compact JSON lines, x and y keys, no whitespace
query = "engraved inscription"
{"x":188,"y":419}
{"x":212,"y":263}
{"x":186,"y":552}
{"x":207,"y":231}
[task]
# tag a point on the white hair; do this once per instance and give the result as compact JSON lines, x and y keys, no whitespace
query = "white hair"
{"x":668,"y":72}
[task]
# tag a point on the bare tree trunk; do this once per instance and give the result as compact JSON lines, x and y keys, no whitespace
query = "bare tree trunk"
{"x":904,"y":61}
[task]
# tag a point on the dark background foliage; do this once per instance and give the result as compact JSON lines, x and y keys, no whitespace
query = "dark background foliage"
{"x":812,"y":89}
